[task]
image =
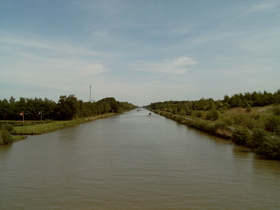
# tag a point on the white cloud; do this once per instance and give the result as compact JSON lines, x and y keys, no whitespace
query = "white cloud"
{"x":31,"y":59}
{"x":31,"y":42}
{"x":183,"y":61}
{"x":169,"y":66}
{"x":263,"y":7}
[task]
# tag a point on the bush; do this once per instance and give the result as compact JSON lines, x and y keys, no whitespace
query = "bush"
{"x":248,"y":108}
{"x":205,"y":126}
{"x":270,"y":147}
{"x":8,"y":127}
{"x":6,"y":136}
{"x":258,"y":137}
{"x":250,"y":123}
{"x":212,"y":115}
{"x":272,"y":123}
{"x":238,"y":119}
{"x":228,"y":121}
{"x":182,"y":113}
{"x":199,"y":114}
{"x":276,"y":110}
{"x":277,"y":130}
{"x":221,"y":125}
{"x":240,"y":136}
{"x":179,"y":119}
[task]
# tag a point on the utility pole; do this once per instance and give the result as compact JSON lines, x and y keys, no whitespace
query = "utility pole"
{"x":90,"y":93}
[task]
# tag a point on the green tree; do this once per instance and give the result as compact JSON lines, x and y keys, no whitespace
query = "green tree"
{"x":67,"y":107}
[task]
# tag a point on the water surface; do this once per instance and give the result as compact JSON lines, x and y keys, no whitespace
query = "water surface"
{"x":135,"y":161}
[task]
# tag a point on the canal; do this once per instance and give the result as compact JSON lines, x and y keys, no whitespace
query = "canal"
{"x":135,"y":161}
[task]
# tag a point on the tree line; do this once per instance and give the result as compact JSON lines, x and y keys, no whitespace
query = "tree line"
{"x":67,"y":108}
{"x":245,"y":100}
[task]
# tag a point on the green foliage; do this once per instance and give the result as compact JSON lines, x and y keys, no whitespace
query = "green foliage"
{"x":221,"y":125}
{"x":238,"y":119}
{"x":250,"y":123}
{"x":276,"y":110}
{"x":212,"y":115}
{"x":67,"y":108}
{"x":252,"y":99}
{"x":228,"y":121}
{"x":8,"y":127}
{"x":257,"y":138}
{"x":5,"y":134}
{"x":272,"y":123}
{"x":248,"y":108}
{"x":198,"y":114}
{"x":203,"y":125}
{"x":182,"y":113}
{"x":240,"y":136}
{"x":270,"y":147}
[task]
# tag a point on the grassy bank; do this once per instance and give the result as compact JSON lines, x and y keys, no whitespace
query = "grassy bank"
{"x":21,"y":130}
{"x":257,"y":129}
{"x":35,"y":129}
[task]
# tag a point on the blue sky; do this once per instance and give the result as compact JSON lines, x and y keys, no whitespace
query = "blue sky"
{"x":140,"y":51}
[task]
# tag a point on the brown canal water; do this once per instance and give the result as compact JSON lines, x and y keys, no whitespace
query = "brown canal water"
{"x":135,"y":161}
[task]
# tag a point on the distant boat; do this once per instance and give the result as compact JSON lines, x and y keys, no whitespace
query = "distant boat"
{"x":150,"y":114}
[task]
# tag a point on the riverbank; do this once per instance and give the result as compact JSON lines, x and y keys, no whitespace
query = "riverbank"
{"x":55,"y":125}
{"x":21,"y":132}
{"x":257,"y":139}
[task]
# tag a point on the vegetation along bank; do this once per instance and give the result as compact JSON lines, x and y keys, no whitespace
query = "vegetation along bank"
{"x":249,"y":119}
{"x":37,"y":116}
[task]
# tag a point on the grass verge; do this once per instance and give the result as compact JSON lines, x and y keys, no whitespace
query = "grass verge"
{"x":51,"y":126}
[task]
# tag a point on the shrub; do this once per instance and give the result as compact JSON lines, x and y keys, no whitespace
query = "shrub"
{"x":270,"y":147}
{"x":222,"y":130}
{"x":208,"y":116}
{"x":256,"y":116}
{"x":228,"y":121}
{"x":221,"y":125}
{"x":205,"y":126}
{"x":238,"y":119}
{"x":6,"y":136}
{"x":248,"y":108}
{"x":179,"y":119}
{"x":212,"y":115}
{"x":277,"y":130}
{"x":250,"y":123}
{"x":8,"y":127}
{"x":240,"y":136}
{"x":182,"y":113}
{"x":276,"y":110}
{"x":199,"y":114}
{"x":272,"y":123}
{"x":258,"y":137}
